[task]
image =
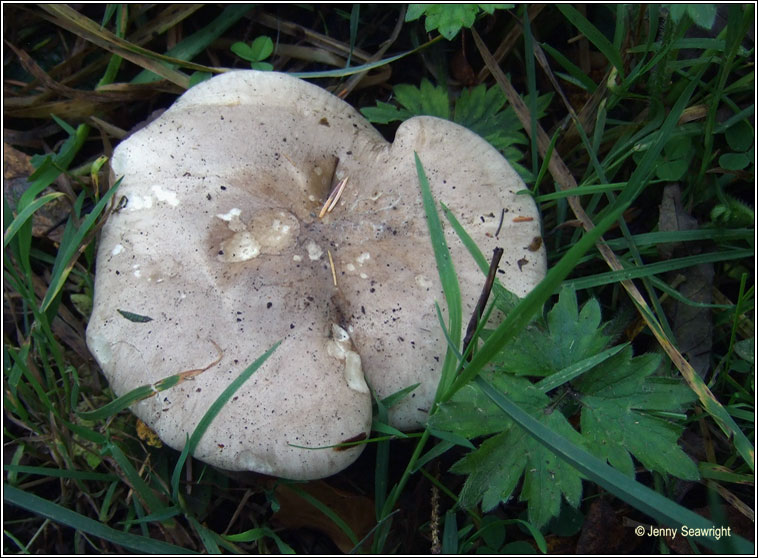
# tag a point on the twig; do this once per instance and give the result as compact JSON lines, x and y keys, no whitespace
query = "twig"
{"x":482,"y":302}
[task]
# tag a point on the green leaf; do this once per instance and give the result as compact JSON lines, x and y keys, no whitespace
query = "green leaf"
{"x":132,"y":317}
{"x":447,"y":275}
{"x":384,"y":113}
{"x":676,"y":11}
{"x":745,"y":349}
{"x":199,"y":77}
{"x":262,"y":66}
{"x":242,"y":50}
{"x":617,"y":420}
{"x":479,"y":109}
{"x":740,"y":136}
{"x":593,"y":34}
{"x":213,"y":411}
{"x":638,"y":495}
{"x":621,"y":412}
{"x":199,"y":41}
{"x":496,"y":467}
{"x":414,"y":11}
{"x":448,"y":19}
{"x":84,"y":524}
{"x":702,"y":14}
{"x":261,"y":48}
{"x":483,"y":111}
{"x":570,"y":336}
{"x":734,"y":161}
{"x":427,"y":99}
{"x":24,"y":215}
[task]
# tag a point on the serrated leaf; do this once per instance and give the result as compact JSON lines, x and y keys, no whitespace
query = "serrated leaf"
{"x":414,"y":11}
{"x":479,"y":109}
{"x":625,"y":413}
{"x":616,"y":415}
{"x":496,"y":466}
{"x":570,"y":336}
{"x":384,"y":113}
{"x":449,"y":19}
{"x":490,"y":8}
{"x":427,"y":99}
{"x":482,"y":111}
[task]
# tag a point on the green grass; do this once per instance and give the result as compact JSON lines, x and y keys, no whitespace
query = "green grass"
{"x":642,"y":99}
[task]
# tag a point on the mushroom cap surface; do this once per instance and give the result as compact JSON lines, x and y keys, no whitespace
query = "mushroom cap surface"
{"x":218,"y":239}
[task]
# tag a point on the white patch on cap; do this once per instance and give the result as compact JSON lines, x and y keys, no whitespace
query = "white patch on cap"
{"x":233,"y":212}
{"x":423,"y":282}
{"x":314,"y":250}
{"x":139,"y":202}
{"x":240,"y":247}
{"x":166,"y":196}
{"x":341,"y":348}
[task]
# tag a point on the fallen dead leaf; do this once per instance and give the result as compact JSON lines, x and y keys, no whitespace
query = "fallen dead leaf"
{"x":356,"y":510}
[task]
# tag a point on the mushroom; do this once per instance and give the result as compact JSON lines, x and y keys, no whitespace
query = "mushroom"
{"x":227,"y":235}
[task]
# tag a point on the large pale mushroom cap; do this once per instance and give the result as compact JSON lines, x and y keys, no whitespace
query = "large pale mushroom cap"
{"x":219,"y":241}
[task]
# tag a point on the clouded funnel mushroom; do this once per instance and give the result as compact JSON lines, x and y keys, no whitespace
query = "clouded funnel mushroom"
{"x":226,"y":235}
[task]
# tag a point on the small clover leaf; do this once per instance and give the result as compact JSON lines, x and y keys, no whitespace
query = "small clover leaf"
{"x":255,"y":52}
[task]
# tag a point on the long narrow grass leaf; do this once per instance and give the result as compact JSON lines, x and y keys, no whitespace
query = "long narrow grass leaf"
{"x":65,"y":259}
{"x":79,"y":522}
{"x":326,"y":510}
{"x":188,"y":48}
{"x":214,"y":410}
{"x":593,"y":34}
{"x":448,"y":277}
{"x":60,"y":473}
{"x":570,"y":372}
{"x":655,"y":268}
{"x":26,"y":213}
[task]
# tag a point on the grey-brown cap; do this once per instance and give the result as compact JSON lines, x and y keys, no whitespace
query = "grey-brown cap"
{"x":225,"y":239}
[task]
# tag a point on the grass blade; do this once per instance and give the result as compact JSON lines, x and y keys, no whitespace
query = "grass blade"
{"x":326,"y":510}
{"x":197,"y":42}
{"x":24,"y":215}
{"x":570,"y":372}
{"x":657,"y":268}
{"x":593,"y":35}
{"x":448,"y":278}
{"x":65,"y":260}
{"x":211,"y":413}
{"x":64,"y":516}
